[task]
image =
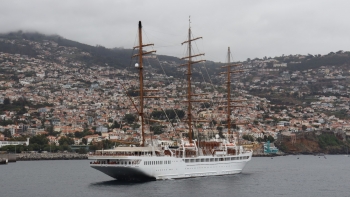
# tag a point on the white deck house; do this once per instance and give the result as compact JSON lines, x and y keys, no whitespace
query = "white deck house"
{"x":15,"y":143}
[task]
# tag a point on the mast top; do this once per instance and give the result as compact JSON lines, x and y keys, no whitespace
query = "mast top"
{"x":140,"y":26}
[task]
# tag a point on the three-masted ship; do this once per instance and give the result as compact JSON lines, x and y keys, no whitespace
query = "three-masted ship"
{"x":188,"y":159}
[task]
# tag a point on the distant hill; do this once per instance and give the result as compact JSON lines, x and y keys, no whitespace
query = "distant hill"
{"x":121,"y":58}
{"x":116,"y":57}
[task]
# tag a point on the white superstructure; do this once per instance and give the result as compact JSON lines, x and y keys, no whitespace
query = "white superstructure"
{"x":187,"y":160}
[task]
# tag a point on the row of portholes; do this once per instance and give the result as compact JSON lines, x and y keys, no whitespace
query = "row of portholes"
{"x":215,"y":159}
{"x":156,"y":162}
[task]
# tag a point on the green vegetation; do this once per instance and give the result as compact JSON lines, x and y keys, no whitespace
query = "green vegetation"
{"x":248,"y":137}
{"x":66,"y":140}
{"x":170,"y":113}
{"x":157,"y":129}
{"x":327,"y":140}
{"x":129,"y":118}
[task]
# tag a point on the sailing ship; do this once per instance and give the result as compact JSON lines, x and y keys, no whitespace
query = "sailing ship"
{"x":189,"y":158}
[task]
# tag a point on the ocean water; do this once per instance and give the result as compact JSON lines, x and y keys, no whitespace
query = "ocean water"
{"x":298,"y":175}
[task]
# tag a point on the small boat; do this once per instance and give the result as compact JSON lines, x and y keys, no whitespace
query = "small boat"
{"x":3,"y":161}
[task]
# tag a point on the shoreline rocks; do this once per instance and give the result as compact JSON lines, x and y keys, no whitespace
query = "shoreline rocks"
{"x":46,"y":156}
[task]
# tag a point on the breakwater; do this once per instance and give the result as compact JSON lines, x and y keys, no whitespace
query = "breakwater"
{"x":44,"y":156}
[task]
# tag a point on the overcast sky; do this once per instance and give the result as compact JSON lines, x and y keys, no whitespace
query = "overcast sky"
{"x":252,"y":28}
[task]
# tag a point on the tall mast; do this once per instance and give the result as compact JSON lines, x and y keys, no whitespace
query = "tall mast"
{"x":140,"y":67}
{"x":141,"y":84}
{"x":228,"y":93}
{"x":189,"y":74}
{"x":189,"y":97}
{"x":228,"y":87}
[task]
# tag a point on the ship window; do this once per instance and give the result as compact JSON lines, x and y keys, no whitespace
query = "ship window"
{"x":212,"y":159}
{"x":216,"y":159}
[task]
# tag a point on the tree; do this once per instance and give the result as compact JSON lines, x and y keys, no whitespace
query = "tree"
{"x":84,"y":141}
{"x":205,"y":105}
{"x":7,"y":101}
{"x":7,"y":133}
{"x":39,"y":140}
{"x":304,"y":127}
{"x":248,"y":137}
{"x":129,"y":118}
{"x":221,"y":134}
{"x":270,"y":138}
{"x":82,"y":150}
{"x":157,"y":129}
{"x":66,"y":140}
{"x":116,"y":125}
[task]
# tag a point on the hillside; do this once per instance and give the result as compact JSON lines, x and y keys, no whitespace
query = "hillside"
{"x":285,"y":80}
{"x":313,"y":143}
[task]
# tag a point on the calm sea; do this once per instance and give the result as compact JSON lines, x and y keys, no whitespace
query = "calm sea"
{"x":263,"y":177}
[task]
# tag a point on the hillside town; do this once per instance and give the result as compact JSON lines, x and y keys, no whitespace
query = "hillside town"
{"x":57,"y":95}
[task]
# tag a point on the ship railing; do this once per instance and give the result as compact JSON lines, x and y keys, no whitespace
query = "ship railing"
{"x":118,"y":155}
{"x":134,"y":155}
{"x":116,"y":163}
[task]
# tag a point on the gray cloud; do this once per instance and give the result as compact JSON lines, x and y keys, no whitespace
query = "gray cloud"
{"x":251,"y":28}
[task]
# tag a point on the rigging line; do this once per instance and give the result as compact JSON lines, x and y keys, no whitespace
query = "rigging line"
{"x":167,"y":78}
{"x":162,"y":40}
{"x":132,"y":52}
{"x":168,"y":118}
{"x":163,"y":93}
{"x":169,"y":44}
{"x":211,"y":99}
{"x":150,"y":30}
{"x":164,"y":46}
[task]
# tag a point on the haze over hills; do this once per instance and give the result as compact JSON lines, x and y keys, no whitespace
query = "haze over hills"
{"x":120,"y":57}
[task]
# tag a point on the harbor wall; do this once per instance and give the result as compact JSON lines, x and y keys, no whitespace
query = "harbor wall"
{"x":9,"y":157}
{"x":43,"y":156}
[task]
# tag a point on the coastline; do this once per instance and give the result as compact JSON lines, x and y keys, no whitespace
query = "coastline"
{"x":44,"y":156}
